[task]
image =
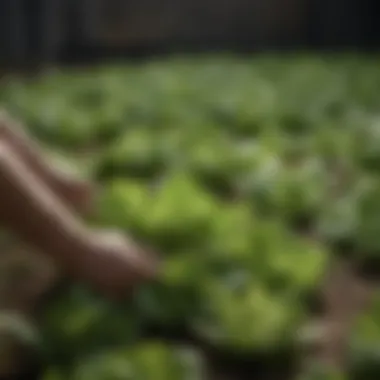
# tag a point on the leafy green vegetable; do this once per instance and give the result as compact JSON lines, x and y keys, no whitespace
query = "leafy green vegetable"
{"x":212,"y":161}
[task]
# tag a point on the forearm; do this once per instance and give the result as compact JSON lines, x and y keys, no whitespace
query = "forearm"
{"x":15,"y":136}
{"x":78,"y":194}
{"x":32,"y":211}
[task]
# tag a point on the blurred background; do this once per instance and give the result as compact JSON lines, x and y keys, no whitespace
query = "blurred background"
{"x":238,"y":138}
{"x":55,"y":30}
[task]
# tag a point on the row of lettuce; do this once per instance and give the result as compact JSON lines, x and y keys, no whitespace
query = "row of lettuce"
{"x":249,"y":177}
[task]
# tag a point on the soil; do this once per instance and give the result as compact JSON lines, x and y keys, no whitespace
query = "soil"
{"x":346,"y":294}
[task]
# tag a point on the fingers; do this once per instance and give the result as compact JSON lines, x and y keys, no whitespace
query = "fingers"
{"x":118,"y":265}
{"x":143,"y":260}
{"x":139,"y":259}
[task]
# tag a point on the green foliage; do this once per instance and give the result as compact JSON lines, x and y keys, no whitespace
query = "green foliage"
{"x":365,"y":343}
{"x":77,"y":324}
{"x":319,"y":372}
{"x":145,"y":361}
{"x":213,"y":162}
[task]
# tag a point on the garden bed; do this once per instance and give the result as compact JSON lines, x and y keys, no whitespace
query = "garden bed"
{"x":256,"y":179}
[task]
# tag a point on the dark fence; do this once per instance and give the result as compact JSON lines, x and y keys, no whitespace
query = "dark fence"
{"x":36,"y":31}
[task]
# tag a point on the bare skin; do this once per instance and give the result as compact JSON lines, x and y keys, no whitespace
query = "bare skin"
{"x":35,"y":205}
{"x":78,"y":194}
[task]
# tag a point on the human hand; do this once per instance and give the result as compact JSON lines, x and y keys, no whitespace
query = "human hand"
{"x":114,"y":264}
